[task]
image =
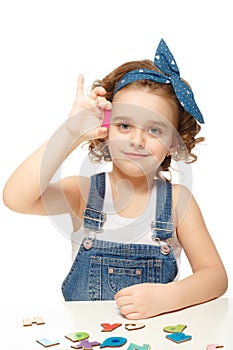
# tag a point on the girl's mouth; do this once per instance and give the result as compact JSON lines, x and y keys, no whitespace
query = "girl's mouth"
{"x":134,"y":155}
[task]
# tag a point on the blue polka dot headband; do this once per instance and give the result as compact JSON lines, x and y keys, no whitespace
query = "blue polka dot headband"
{"x":165,"y":61}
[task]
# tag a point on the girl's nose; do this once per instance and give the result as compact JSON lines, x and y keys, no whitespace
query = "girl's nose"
{"x":137,"y":138}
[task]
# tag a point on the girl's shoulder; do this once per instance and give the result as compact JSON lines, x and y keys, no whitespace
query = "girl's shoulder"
{"x":180,"y":190}
{"x":181,"y":200}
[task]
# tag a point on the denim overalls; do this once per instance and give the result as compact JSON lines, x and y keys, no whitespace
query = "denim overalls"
{"x":101,"y":268}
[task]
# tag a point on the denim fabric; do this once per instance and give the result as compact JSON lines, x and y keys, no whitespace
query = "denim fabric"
{"x":162,"y":227}
{"x":106,"y":267}
{"x":98,"y":273}
{"x":93,"y":216}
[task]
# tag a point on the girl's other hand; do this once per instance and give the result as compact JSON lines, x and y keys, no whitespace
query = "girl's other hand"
{"x":142,"y":301}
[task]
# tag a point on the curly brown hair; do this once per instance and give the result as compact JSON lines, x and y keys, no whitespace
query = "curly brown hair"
{"x":187,"y":127}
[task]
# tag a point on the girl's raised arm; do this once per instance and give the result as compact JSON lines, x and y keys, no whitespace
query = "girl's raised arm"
{"x":31,"y":181}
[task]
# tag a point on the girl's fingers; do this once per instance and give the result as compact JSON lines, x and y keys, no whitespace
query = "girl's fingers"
{"x":95,"y":102}
{"x":97,"y":91}
{"x":102,"y":103}
{"x":80,"y":85}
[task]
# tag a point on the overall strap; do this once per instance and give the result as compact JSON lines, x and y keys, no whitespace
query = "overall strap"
{"x":93,"y":216}
{"x":162,"y":228}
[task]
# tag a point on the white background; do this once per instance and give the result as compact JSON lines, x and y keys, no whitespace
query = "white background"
{"x":44,"y":46}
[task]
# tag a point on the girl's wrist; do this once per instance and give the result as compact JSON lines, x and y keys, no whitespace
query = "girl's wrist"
{"x":82,"y":125}
{"x":73,"y":125}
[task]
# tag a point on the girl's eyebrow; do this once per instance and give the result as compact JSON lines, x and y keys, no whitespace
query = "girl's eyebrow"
{"x":120,"y":118}
{"x":153,"y":122}
{"x":159,"y":123}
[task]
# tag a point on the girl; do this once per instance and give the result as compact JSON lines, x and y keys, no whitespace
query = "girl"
{"x":130,"y":223}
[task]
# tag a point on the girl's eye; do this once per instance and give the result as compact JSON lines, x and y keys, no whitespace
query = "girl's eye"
{"x":124,"y":126}
{"x":155,"y":131}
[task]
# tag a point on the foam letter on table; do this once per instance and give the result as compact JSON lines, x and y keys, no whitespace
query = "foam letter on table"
{"x":85,"y":345}
{"x":46,"y":343}
{"x":214,"y":346}
{"x":134,"y":326}
{"x":109,"y":327}
{"x":113,"y":342}
{"x":36,"y":320}
{"x":137,"y":347}
{"x":77,"y":336}
{"x":175,"y":329}
{"x":178,"y":337}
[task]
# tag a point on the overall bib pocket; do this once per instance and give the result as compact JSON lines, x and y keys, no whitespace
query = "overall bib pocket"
{"x":108,"y":275}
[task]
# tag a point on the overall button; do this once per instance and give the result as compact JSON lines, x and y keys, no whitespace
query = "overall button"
{"x":165,"y":249}
{"x":87,"y":244}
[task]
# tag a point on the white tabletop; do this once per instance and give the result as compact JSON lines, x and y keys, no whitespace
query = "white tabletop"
{"x":210,"y":323}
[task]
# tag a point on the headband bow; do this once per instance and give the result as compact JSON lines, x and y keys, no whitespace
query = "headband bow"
{"x":165,"y":61}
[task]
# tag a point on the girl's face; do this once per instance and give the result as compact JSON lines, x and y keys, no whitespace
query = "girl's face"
{"x":142,"y":131}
